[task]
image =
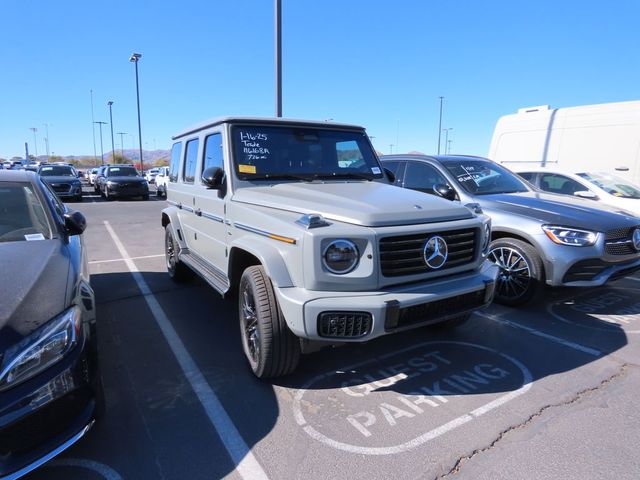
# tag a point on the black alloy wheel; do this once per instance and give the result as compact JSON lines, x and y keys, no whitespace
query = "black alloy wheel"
{"x":521,"y":271}
{"x":270,"y":347}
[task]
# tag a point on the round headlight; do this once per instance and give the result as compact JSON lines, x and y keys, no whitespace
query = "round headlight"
{"x":340,"y":256}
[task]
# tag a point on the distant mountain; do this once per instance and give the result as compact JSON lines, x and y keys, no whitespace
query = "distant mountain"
{"x":151,"y":158}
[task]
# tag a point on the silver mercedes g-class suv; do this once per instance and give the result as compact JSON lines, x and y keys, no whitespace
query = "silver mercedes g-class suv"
{"x":301,"y":221}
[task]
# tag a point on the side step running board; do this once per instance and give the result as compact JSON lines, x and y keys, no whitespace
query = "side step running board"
{"x":208,"y":272}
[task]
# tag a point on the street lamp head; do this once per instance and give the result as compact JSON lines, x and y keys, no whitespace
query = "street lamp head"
{"x":109,"y":103}
{"x":135,"y":57}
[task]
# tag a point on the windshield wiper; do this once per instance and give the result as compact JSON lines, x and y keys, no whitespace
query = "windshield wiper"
{"x":279,"y":176}
{"x":357,"y":176}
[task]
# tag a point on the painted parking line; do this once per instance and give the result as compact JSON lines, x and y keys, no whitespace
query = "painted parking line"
{"x":538,"y":333}
{"x":245,"y":463}
{"x":125,"y":259}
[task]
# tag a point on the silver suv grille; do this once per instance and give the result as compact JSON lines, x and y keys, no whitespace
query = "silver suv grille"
{"x":404,"y":255}
{"x":619,"y":241}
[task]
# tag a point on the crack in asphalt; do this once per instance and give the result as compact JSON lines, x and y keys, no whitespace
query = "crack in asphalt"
{"x":576,"y":398}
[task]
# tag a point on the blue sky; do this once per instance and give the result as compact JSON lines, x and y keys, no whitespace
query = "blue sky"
{"x":377,"y":63}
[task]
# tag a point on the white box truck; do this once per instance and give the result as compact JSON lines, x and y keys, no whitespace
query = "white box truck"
{"x":604,"y":137}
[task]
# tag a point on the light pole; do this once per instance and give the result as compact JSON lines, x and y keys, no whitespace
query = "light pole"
{"x":446,"y":138}
{"x":113,"y":147}
{"x":122,"y":134}
{"x":278,"y":50}
{"x":440,"y":124}
{"x":134,"y":58}
{"x":35,"y":141}
{"x":101,"y":147}
{"x":46,"y":140}
{"x":449,"y":145}
{"x":390,"y":148}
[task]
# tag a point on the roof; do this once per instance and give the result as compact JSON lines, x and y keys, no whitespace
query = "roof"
{"x":16,"y":176}
{"x":441,"y":158}
{"x":262,"y":120}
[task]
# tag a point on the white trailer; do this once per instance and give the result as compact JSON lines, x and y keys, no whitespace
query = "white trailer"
{"x":604,"y":137}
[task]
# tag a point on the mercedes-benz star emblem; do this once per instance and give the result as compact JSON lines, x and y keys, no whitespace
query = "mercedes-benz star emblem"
{"x":435,"y":252}
{"x":636,"y":239}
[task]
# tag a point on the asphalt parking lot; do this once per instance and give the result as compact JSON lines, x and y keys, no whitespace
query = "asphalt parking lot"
{"x":544,"y":392}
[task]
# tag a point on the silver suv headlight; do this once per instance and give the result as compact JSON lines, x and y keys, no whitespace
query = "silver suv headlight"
{"x":44,"y":347}
{"x":340,"y":256}
{"x":570,"y":236}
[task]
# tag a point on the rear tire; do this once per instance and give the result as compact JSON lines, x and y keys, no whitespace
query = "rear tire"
{"x":177,"y":270}
{"x":270,"y":347}
{"x":521,"y":271}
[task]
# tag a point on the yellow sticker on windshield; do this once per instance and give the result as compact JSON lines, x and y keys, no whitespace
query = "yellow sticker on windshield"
{"x":247,"y":168}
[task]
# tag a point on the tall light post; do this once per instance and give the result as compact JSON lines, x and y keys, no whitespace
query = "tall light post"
{"x":449,"y":145}
{"x":101,"y":147}
{"x":122,"y":134}
{"x":446,"y":138}
{"x":46,"y":139}
{"x":278,"y":51}
{"x":113,"y":147}
{"x":134,"y":58}
{"x":35,"y":140}
{"x":440,"y":124}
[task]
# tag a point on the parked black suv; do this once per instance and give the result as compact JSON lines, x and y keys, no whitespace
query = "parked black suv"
{"x":121,"y":181}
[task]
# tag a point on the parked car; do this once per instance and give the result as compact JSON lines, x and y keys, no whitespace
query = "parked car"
{"x":303,"y":224}
{"x":92,"y":175}
{"x":150,"y":175}
{"x":600,"y":186}
{"x":537,"y":238}
{"x":63,"y":179}
{"x":50,"y":389}
{"x":162,"y":179}
{"x":120,"y":181}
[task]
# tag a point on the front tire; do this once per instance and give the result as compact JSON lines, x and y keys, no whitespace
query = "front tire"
{"x":177,"y":270}
{"x":270,"y":347}
{"x":521,"y":271}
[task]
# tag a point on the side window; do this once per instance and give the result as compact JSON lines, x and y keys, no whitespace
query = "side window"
{"x":550,"y":182}
{"x":422,"y":177}
{"x":528,"y":176}
{"x":190,"y":160}
{"x":213,"y":156}
{"x":55,"y":201}
{"x":174,"y":167}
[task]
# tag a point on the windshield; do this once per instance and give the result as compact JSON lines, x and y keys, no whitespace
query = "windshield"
{"x":613,"y":185}
{"x":482,"y":177}
{"x":302,"y":154}
{"x":22,"y":217}
{"x":122,"y":172}
{"x":57,"y":171}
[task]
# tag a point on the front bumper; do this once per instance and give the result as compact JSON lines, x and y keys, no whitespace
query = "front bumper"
{"x":393,"y":309}
{"x":584,"y":266}
{"x":48,"y":413}
{"x":131,"y":190}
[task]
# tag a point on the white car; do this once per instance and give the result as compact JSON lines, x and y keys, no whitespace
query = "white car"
{"x":603,"y":187}
{"x":150,"y":175}
{"x":92,"y":175}
{"x":162,"y":178}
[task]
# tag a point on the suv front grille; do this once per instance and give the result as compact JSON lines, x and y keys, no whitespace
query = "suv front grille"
{"x":344,"y":324}
{"x":619,"y":241}
{"x":404,"y":255}
{"x":440,"y":308}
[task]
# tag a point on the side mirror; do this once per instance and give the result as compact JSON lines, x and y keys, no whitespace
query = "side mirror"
{"x":586,"y":194}
{"x":75,"y":222}
{"x":390,"y":175}
{"x":445,"y":191}
{"x":213,"y":178}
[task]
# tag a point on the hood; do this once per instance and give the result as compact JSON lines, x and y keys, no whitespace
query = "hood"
{"x":33,"y":287}
{"x":125,"y":179}
{"x":60,"y":179}
{"x":370,"y":204}
{"x":559,"y":210}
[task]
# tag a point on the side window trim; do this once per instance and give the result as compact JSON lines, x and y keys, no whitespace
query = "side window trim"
{"x":212,"y":135}
{"x":191,"y":178}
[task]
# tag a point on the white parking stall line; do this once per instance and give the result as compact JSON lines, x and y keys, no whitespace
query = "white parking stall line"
{"x":124,"y":259}
{"x":245,"y":463}
{"x":538,"y":333}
